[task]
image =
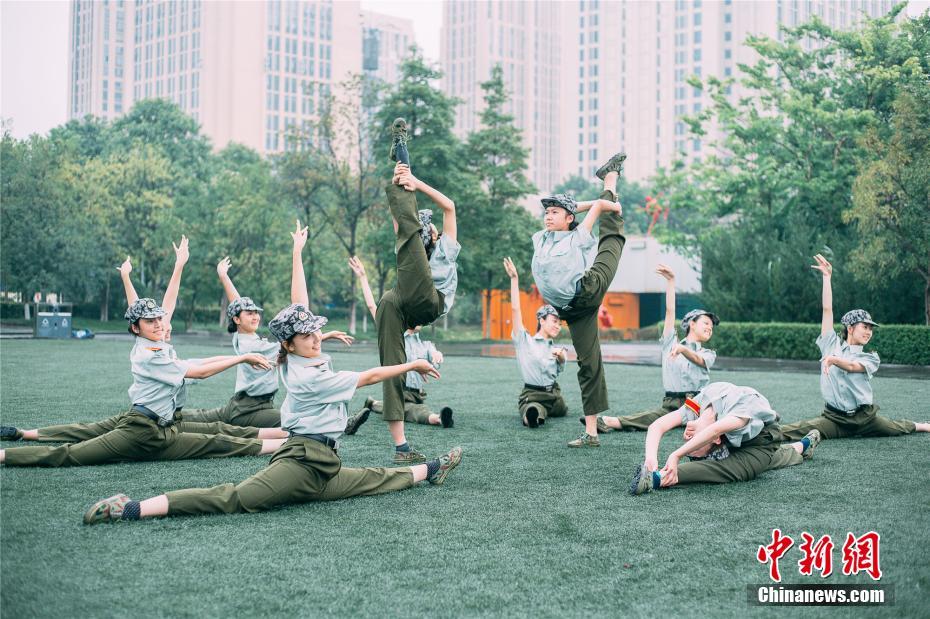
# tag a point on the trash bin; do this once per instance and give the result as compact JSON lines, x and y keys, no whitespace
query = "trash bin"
{"x":53,"y":320}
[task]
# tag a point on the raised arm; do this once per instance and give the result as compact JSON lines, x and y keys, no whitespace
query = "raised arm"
{"x":222,"y":269}
{"x":124,"y":270}
{"x":516,"y":313}
{"x":181,"y":255}
{"x":595,"y":208}
{"x":826,"y":269}
{"x":669,"y":276}
{"x":449,"y":227}
{"x":380,"y":374}
{"x":299,"y":292}
{"x":359,"y":269}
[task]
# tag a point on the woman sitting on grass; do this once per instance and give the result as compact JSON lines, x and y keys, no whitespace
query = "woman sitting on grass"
{"x":157,"y":394}
{"x":307,"y":467}
{"x":732,"y":433}
{"x":540,"y":361}
{"x":685,"y":363}
{"x":849,"y":410}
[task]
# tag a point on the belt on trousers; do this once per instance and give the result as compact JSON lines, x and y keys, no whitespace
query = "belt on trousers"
{"x":571,"y":303}
{"x":840,"y":411}
{"x":319,"y":438}
{"x":548,"y":389}
{"x":680,"y":394}
{"x":268,"y":397}
{"x":142,"y":410}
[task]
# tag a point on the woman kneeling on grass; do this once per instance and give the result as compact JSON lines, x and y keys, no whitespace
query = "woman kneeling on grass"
{"x":733,"y":433}
{"x":307,"y":467}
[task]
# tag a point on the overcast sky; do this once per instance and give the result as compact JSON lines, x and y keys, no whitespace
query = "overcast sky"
{"x":34,"y":55}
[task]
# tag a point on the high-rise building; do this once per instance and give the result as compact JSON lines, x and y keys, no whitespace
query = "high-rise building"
{"x":245,"y":70}
{"x":631,"y":63}
{"x":524,"y":38}
{"x":386,"y":40}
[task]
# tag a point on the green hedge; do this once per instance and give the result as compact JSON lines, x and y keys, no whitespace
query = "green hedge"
{"x":900,"y":344}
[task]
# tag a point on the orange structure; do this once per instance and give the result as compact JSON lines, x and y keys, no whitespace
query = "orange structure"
{"x":622,"y":307}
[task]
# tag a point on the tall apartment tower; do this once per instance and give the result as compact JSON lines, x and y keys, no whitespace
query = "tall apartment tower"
{"x":525,"y":39}
{"x":244,"y":70}
{"x":630,"y":62}
{"x":385,"y":42}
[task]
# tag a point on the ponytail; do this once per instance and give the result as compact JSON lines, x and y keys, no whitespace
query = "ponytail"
{"x":282,"y":356}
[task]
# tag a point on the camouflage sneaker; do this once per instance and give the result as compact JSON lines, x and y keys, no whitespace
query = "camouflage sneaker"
{"x":9,"y":433}
{"x":356,"y":420}
{"x":408,"y":457}
{"x":446,"y":464}
{"x":614,"y":164}
{"x":398,"y":136}
{"x":642,"y":481}
{"x":585,"y":440}
{"x":106,"y":510}
{"x":369,"y":403}
{"x":814,"y":437}
{"x":602,"y":427}
{"x":445,"y":417}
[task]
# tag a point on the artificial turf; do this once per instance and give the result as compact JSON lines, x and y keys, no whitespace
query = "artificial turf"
{"x":525,"y":527}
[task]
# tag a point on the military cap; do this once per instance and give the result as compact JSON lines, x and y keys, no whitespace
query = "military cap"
{"x":294,"y":319}
{"x":546,"y":310}
{"x":563,"y":201}
{"x":426,"y":220}
{"x":856,"y":316}
{"x":695,"y":314}
{"x":143,"y":308}
{"x":242,"y":303}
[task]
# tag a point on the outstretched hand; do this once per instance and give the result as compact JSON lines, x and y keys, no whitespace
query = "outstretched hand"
{"x":257,"y":361}
{"x":510,"y":268}
{"x":181,"y":251}
{"x":425,"y":369}
{"x":126,"y":267}
{"x":665,"y":271}
{"x":300,"y":237}
{"x":342,"y":336}
{"x":223,"y":267}
{"x":822,"y":265}
{"x":357,"y":267}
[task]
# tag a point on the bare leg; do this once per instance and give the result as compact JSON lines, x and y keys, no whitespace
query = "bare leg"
{"x":612,"y":422}
{"x":434,"y":419}
{"x":419,"y":472}
{"x":156,"y":506}
{"x":396,"y":428}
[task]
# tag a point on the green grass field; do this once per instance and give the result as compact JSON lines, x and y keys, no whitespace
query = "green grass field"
{"x":525,"y":527}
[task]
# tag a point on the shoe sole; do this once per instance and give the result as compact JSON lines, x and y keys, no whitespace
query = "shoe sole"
{"x":98,"y":513}
{"x":809,"y":453}
{"x":362,"y":418}
{"x":445,"y":417}
{"x":455,"y":458}
{"x":532,"y":418}
{"x":637,"y":477}
{"x":602,"y":171}
{"x":579,"y":445}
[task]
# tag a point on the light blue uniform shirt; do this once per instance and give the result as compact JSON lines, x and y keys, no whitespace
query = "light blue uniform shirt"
{"x":157,"y":377}
{"x":445,"y":272}
{"x":840,"y":389}
{"x":560,"y":260}
{"x":255,"y":381}
{"x":534,"y":356}
{"x":317,"y":397}
{"x":731,"y":400}
{"x":680,"y":375}
{"x":417,"y":349}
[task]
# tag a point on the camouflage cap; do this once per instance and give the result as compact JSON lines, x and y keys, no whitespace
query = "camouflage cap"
{"x":242,"y":303}
{"x":546,"y":310}
{"x":426,"y":220}
{"x":856,"y":316}
{"x":562,"y":200}
{"x":695,"y":314}
{"x":143,"y":308}
{"x":294,"y":319}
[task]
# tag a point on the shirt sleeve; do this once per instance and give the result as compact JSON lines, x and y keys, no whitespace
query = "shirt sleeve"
{"x":450,"y":248}
{"x":164,"y":369}
{"x":584,"y":239}
{"x":668,"y":342}
{"x":869,"y":361}
{"x":686,"y":415}
{"x":430,"y":351}
{"x":709,"y":356}
{"x":827,"y":342}
{"x":335,"y":387}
